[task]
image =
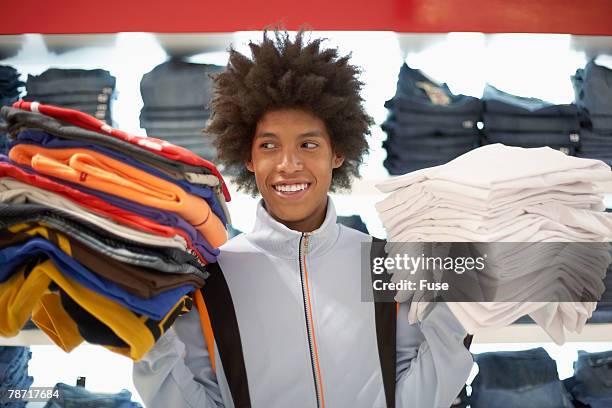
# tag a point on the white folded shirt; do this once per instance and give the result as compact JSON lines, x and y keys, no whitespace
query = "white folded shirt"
{"x":497,"y":167}
{"x":507,"y":194}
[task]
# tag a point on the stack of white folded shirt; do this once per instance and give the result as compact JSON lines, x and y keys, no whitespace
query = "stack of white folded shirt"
{"x":498,"y":193}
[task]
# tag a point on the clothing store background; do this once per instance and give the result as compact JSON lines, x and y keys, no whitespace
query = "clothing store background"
{"x":530,"y":65}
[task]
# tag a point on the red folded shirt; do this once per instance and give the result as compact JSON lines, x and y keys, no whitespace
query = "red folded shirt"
{"x":157,"y":146}
{"x":97,"y":205}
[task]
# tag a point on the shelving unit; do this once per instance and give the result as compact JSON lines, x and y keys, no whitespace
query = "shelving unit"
{"x":58,"y":49}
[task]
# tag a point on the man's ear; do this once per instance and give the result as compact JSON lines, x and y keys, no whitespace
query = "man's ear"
{"x":249,"y":165}
{"x":337,"y":160}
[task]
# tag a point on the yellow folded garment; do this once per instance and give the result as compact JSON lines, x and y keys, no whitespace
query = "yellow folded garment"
{"x":20,"y":294}
{"x":52,"y":319}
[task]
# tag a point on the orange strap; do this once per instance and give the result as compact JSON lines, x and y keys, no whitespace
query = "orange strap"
{"x":206,"y":327}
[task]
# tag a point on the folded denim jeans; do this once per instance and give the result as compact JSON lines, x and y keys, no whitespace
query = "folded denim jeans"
{"x":169,"y":124}
{"x":177,"y":84}
{"x":353,"y":221}
{"x":494,"y":122}
{"x":397,"y":167}
{"x":593,"y":86}
{"x":435,"y":142}
{"x":552,"y":139}
{"x":174,"y":114}
{"x":397,"y":129}
{"x":71,"y":98}
{"x":79,"y":397}
{"x":438,"y":122}
{"x":460,"y":105}
{"x":601,"y":123}
{"x":203,"y":139}
{"x":55,"y":80}
{"x":428,"y":153}
{"x":496,"y":101}
{"x":593,"y":379}
{"x":518,"y":379}
{"x":12,"y":360}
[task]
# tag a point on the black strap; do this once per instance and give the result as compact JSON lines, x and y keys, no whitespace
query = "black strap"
{"x":386,"y":325}
{"x":227,"y":335}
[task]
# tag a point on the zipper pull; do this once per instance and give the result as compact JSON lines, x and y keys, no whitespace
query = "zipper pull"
{"x":306,"y":236}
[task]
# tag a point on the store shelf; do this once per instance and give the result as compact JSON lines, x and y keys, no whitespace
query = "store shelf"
{"x":532,"y":333}
{"x":26,"y":338}
{"x":517,"y":333}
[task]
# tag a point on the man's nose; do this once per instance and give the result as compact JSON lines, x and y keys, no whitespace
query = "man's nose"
{"x":289,"y":161}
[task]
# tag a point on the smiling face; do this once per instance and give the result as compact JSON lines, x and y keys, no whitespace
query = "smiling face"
{"x":292,"y":159}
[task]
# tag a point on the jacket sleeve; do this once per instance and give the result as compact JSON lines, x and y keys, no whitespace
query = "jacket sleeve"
{"x":177,"y":372}
{"x":432,"y":362}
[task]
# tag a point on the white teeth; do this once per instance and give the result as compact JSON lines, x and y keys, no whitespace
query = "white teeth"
{"x":291,"y":187}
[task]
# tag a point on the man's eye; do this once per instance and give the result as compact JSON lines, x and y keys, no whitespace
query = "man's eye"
{"x":267,"y":145}
{"x":309,"y":145}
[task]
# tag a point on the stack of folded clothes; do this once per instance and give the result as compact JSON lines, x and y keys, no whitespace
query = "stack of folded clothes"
{"x":9,"y":93}
{"x":529,"y":122}
{"x":14,"y":374}
{"x":103,"y":235}
{"x":89,"y":91}
{"x":593,"y":95}
{"x":591,"y":384}
{"x":518,"y":379}
{"x":68,"y":396}
{"x":176,"y":96}
{"x":537,"y":214}
{"x":428,"y":125}
{"x":353,"y":221}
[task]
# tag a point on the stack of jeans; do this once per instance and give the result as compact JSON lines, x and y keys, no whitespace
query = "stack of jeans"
{"x":428,"y":125}
{"x":518,"y":379}
{"x":89,"y":91}
{"x":9,"y":93}
{"x":14,"y":373}
{"x":591,"y":384}
{"x":176,"y":96}
{"x":354,"y":222}
{"x":529,"y":122}
{"x":593,"y":93}
{"x":69,"y":396}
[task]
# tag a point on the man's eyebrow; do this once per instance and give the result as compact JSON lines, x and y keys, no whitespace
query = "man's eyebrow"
{"x":266,"y":134}
{"x":312,"y":133}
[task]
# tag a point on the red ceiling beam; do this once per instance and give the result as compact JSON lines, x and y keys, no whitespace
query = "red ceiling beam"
{"x":587,"y":17}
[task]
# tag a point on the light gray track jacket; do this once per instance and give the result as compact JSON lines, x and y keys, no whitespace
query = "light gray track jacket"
{"x":303,"y":337}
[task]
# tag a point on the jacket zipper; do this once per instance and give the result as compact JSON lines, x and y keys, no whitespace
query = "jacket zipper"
{"x":312,"y":343}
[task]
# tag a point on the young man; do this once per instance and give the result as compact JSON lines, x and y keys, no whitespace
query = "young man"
{"x":284,"y":324}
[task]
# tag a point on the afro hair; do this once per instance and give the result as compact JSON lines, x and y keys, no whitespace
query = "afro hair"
{"x":288,"y":74}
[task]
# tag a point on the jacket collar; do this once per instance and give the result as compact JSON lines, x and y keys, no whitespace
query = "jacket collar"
{"x":276,"y":239}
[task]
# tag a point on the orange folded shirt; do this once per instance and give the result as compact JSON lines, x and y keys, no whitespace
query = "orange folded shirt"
{"x":99,"y":172}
